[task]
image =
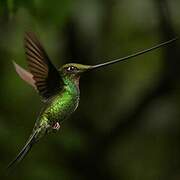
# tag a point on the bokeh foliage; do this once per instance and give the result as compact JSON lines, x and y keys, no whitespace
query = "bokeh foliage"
{"x":127,"y":125}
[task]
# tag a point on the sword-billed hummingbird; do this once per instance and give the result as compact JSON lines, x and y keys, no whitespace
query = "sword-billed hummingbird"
{"x":59,"y":88}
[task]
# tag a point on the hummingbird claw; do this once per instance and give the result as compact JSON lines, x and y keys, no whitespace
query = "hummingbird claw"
{"x":56,"y":126}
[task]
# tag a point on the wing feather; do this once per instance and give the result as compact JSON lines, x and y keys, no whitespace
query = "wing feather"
{"x":47,"y":79}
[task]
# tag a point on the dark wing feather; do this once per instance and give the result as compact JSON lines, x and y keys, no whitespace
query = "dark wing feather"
{"x":46,"y":76}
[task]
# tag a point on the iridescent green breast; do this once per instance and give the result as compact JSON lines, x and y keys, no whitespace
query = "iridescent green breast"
{"x":61,"y":106}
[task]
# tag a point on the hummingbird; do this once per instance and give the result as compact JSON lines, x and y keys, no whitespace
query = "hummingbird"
{"x":58,"y":88}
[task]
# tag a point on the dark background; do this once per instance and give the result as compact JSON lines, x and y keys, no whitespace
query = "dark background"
{"x":127,"y":126}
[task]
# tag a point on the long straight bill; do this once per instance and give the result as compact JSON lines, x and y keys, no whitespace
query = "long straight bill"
{"x":134,"y":55}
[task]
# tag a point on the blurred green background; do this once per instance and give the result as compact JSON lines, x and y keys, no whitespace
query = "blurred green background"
{"x":127,"y":126}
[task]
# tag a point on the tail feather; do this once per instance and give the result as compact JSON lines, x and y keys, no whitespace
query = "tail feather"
{"x":23,"y":152}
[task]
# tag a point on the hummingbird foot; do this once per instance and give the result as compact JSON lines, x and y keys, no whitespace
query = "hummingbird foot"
{"x":56,"y":126}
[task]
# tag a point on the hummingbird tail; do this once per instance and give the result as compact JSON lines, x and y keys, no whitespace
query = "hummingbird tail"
{"x":23,"y":152}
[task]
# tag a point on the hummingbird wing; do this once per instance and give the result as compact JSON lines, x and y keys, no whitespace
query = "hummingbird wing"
{"x":47,"y":78}
{"x":25,"y":75}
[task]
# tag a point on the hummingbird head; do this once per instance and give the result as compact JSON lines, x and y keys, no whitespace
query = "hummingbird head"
{"x":73,"y":70}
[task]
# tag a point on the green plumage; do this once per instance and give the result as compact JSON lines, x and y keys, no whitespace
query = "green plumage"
{"x":61,"y":106}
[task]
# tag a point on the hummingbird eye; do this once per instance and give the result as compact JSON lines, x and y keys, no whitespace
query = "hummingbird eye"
{"x":71,"y":69}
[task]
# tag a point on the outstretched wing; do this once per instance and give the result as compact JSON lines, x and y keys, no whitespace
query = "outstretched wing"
{"x":25,"y":75}
{"x":47,"y":78}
